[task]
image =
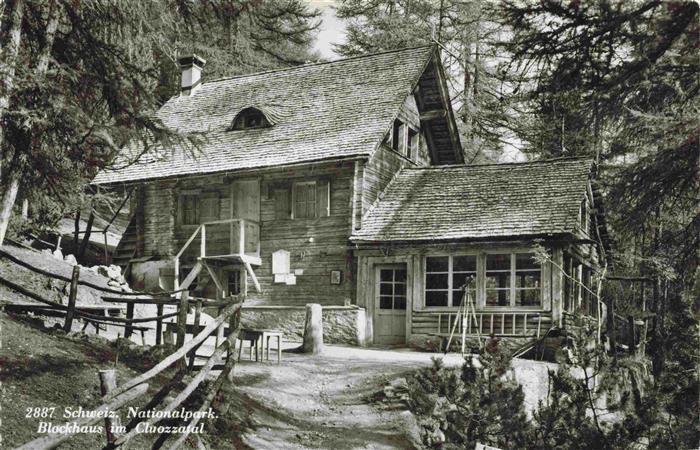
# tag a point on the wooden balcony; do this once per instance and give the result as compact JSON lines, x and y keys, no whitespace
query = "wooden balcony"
{"x":230,"y":240}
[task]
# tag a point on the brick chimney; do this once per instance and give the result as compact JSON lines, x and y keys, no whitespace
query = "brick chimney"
{"x":191,"y":78}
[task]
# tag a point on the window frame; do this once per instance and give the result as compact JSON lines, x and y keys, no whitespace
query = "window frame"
{"x":450,"y":275}
{"x":296,"y":184}
{"x":584,"y":219}
{"x":480,"y":280}
{"x":412,"y":135}
{"x":513,"y":289}
{"x":241,"y":121}
{"x":183,"y":198}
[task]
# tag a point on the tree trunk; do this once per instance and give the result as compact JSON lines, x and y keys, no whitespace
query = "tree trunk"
{"x":9,"y":196}
{"x":86,"y":235}
{"x":12,"y":25}
{"x":313,"y":329}
{"x":51,"y":27}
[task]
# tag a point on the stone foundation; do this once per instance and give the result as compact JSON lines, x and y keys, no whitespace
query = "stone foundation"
{"x":341,"y":324}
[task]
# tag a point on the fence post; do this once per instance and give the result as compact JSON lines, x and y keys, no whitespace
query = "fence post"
{"x":71,"y":299}
{"x":128,"y":329}
{"x":182,"y":318}
{"x":159,"y":325}
{"x":108,"y":383}
{"x":233,"y":326}
{"x":197,"y":317}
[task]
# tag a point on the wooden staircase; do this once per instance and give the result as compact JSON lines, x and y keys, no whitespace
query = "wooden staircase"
{"x":128,"y":245}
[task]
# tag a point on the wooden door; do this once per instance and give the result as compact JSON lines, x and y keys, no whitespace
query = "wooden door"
{"x":390,"y":304}
{"x":246,"y":205}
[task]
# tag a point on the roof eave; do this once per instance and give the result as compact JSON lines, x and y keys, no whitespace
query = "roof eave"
{"x":357,"y":157}
{"x":560,"y":237}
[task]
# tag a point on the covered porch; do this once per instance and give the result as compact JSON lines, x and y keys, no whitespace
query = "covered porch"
{"x":426,"y":292}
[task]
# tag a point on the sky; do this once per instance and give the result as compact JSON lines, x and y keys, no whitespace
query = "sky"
{"x":332,"y":30}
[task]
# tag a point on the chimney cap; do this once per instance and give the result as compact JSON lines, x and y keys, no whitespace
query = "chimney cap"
{"x":192,"y":60}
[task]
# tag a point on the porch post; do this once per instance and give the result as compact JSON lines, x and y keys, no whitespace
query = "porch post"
{"x":557,"y":284}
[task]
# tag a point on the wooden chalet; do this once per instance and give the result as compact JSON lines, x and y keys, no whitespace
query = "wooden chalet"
{"x":343,"y":184}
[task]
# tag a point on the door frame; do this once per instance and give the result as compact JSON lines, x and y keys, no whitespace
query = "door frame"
{"x":367,"y":283}
{"x":377,"y":310}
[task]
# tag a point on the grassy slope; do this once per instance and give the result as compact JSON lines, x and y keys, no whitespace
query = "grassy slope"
{"x":42,"y":368}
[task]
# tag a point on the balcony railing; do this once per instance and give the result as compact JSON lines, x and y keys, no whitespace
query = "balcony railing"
{"x":230,"y":239}
{"x":224,"y":238}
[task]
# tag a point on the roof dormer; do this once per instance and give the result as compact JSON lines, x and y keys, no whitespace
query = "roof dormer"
{"x":252,"y":117}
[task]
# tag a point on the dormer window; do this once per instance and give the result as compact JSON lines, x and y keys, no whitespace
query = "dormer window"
{"x":250,"y":118}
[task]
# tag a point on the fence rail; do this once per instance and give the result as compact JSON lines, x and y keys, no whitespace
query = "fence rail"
{"x":116,"y":397}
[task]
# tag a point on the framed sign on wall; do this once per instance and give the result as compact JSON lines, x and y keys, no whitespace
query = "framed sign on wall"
{"x":336,"y":276}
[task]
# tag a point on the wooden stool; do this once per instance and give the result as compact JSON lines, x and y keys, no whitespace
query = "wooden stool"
{"x":260,"y":340}
{"x":255,"y":337}
{"x":266,"y":336}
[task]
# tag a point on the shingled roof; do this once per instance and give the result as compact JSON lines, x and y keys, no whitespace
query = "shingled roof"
{"x":480,"y":201}
{"x":322,"y":111}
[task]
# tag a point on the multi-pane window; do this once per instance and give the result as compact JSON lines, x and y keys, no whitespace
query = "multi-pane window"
{"x":445,"y":278}
{"x":528,"y":284}
{"x":304,"y":200}
{"x":498,"y":279}
{"x":392,"y":288}
{"x":512,"y":279}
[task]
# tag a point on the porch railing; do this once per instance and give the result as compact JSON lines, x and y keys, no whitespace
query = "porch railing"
{"x":485,"y":323}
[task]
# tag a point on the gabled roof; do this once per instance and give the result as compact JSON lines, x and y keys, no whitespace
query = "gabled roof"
{"x":499,"y":201}
{"x":322,"y":111}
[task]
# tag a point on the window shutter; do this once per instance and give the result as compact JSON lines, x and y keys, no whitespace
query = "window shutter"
{"x":323,"y":197}
{"x":209,"y":211}
{"x":283,"y":205}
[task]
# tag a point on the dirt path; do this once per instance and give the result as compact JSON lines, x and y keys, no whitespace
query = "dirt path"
{"x":325,"y":402}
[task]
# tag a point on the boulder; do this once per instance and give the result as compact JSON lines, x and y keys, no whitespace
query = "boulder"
{"x":70,"y":259}
{"x":114,"y":271}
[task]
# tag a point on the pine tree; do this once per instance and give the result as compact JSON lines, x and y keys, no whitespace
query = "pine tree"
{"x":467,"y":38}
{"x":81,"y":80}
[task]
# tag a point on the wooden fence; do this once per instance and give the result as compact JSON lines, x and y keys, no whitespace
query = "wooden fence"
{"x":116,"y":397}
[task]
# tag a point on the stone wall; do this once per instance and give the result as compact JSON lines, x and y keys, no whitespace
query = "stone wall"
{"x":341,"y":324}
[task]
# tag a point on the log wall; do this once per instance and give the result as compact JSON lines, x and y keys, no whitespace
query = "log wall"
{"x":158,"y":220}
{"x":317,"y":246}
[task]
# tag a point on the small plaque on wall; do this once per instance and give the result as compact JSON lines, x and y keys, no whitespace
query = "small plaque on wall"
{"x":336,"y":276}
